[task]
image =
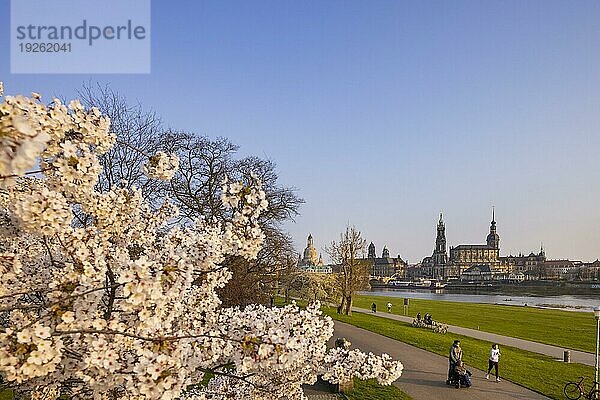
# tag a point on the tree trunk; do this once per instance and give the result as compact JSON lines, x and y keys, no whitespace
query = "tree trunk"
{"x":349,"y":305}
{"x":287,"y":296}
{"x":342,"y":304}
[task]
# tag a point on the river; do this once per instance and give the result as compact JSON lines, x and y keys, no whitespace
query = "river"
{"x":570,"y":302}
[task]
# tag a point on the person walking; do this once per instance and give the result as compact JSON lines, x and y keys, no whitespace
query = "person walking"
{"x":453,"y":358}
{"x":374,"y":307}
{"x":389,"y":306}
{"x":493,"y":362}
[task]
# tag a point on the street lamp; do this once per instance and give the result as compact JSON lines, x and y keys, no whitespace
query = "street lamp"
{"x":597,"y":315}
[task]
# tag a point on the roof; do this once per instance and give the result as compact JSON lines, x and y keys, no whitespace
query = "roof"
{"x":550,"y":263}
{"x":386,"y":260}
{"x":473,"y":247}
{"x":478,"y":268}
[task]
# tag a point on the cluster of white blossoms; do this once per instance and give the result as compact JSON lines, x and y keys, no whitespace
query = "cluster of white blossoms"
{"x":43,"y":211}
{"x":161,"y":166}
{"x":102,"y":296}
{"x":341,"y":364}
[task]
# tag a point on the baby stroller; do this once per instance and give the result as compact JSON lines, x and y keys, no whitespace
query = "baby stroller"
{"x":461,"y":377}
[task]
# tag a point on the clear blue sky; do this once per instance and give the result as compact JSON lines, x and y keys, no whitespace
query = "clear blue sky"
{"x":384,"y":113}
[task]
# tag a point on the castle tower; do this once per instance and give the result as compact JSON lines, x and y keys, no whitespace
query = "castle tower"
{"x":385,"y":253}
{"x":371,"y":253}
{"x":493,"y":240}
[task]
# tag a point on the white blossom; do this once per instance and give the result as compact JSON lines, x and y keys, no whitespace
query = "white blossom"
{"x":124,"y":304}
{"x":161,"y":166}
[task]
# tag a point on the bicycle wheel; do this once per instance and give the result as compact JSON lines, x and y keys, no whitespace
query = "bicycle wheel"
{"x":572,"y":391}
{"x":594,"y":395}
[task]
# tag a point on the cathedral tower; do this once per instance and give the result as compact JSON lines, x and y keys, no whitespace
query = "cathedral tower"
{"x":440,"y":256}
{"x":493,"y":240}
{"x":440,"y":240}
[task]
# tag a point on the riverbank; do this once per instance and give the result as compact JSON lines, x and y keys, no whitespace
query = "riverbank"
{"x":570,"y":330}
{"x":534,"y":371}
{"x":581,"y":302}
{"x":534,"y":286}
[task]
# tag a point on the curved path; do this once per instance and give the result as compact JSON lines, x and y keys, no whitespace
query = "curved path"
{"x":552,"y":351}
{"x":425,"y":373}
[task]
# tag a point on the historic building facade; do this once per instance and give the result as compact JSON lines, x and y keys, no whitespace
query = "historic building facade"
{"x":486,"y":257}
{"x":465,"y":256}
{"x":385,"y":266}
{"x":526,"y":264}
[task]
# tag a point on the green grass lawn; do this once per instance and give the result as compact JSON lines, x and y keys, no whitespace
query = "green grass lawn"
{"x":6,"y":395}
{"x":534,"y":371}
{"x":568,"y":329}
{"x":371,"y":390}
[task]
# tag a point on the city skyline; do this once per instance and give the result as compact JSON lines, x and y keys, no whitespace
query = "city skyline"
{"x":384,"y":116}
{"x":395,"y":251}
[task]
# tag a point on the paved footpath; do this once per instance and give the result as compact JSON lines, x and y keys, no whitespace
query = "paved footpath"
{"x":425,"y":373}
{"x":552,"y":351}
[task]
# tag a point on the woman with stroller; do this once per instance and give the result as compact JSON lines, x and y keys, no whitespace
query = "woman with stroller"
{"x":454,"y":358}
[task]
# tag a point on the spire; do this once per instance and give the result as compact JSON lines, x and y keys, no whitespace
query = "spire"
{"x":493,"y":223}
{"x":440,"y":240}
{"x":542,"y":252}
{"x":371,"y":253}
{"x":493,"y":239}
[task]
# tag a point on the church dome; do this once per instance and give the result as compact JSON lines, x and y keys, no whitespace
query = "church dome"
{"x":310,"y":255}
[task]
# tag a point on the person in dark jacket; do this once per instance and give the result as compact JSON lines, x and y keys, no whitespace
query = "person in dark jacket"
{"x":374,"y":307}
{"x":453,"y":358}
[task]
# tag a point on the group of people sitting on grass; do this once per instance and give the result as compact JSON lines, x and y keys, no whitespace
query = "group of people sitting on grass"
{"x":427,"y":320}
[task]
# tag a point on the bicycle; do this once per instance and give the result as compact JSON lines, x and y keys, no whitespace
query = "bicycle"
{"x":576,"y":390}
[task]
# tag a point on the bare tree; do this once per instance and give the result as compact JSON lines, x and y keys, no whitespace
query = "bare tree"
{"x":205,"y":163}
{"x":353,"y":275}
{"x":135,"y":127}
{"x":196,"y":188}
